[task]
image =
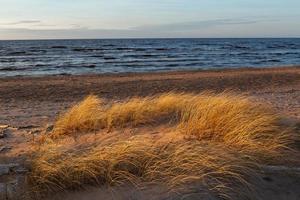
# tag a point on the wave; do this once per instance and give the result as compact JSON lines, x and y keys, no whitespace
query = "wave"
{"x":13,"y":69}
{"x":172,"y":65}
{"x":273,"y":60}
{"x":89,"y":66}
{"x":162,"y":49}
{"x":109,"y":58}
{"x":17,"y":53}
{"x":97,"y":56}
{"x":38,"y":51}
{"x":108,"y":45}
{"x":123,"y":48}
{"x":59,"y":47}
{"x":87,"y":49}
{"x":232,"y":47}
{"x":277,"y":46}
{"x":139,"y":49}
{"x":184,"y":60}
{"x":40,"y":65}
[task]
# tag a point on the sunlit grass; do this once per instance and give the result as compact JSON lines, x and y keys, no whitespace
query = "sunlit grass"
{"x":215,"y":142}
{"x":85,"y":116}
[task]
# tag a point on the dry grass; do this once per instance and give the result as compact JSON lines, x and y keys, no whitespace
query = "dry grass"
{"x":140,"y":161}
{"x":85,"y":116}
{"x":217,"y":141}
{"x":91,"y":114}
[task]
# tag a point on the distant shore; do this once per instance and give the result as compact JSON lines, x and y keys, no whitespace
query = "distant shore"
{"x":37,"y":100}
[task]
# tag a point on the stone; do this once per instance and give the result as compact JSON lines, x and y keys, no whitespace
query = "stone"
{"x":3,"y":133}
{"x":4,"y":169}
{"x":4,"y":148}
{"x":28,"y":127}
{"x":20,"y":170}
{"x":3,"y":129}
{"x":3,"y":126}
{"x":7,"y":168}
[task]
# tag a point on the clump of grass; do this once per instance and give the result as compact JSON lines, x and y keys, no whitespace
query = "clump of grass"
{"x":235,"y":120}
{"x":91,"y":114}
{"x":228,"y":118}
{"x":217,"y":141}
{"x":84,"y":116}
{"x":140,"y":160}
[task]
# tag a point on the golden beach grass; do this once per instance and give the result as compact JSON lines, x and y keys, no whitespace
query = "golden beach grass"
{"x":216,"y":142}
{"x":83,"y":116}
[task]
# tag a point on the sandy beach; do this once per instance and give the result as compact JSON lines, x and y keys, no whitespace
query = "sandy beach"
{"x":26,"y":101}
{"x":29,"y":104}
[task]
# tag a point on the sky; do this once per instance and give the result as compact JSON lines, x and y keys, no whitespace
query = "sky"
{"x":61,"y":19}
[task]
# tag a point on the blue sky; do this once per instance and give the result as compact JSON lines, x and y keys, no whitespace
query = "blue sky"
{"x":45,"y":19}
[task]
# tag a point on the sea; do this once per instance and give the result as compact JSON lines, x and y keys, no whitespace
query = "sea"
{"x":55,"y":57}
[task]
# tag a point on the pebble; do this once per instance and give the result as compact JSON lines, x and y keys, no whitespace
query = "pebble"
{"x":3,"y":126}
{"x":4,"y":148}
{"x":7,"y":168}
{"x":4,"y":170}
{"x":2,"y":133}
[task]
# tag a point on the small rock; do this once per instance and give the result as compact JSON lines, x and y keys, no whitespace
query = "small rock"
{"x":3,"y":133}
{"x":268,"y":179}
{"x":7,"y":168}
{"x":3,"y":126}
{"x":20,"y":170}
{"x":4,"y":148}
{"x":28,"y":127}
{"x":4,"y":130}
{"x":4,"y":170}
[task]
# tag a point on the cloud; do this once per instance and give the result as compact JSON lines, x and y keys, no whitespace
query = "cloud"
{"x":22,"y":22}
{"x":34,"y":25}
{"x":67,"y":33}
{"x":196,"y":25}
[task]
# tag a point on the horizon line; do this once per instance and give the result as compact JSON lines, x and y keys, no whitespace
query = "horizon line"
{"x":144,"y":38}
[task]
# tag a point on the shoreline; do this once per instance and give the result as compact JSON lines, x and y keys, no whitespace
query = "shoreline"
{"x":38,"y":100}
{"x":110,"y":74}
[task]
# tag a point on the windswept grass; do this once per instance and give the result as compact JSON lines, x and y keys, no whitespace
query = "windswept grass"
{"x":140,"y":161}
{"x":91,"y":114}
{"x":216,"y":142}
{"x":85,"y":116}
